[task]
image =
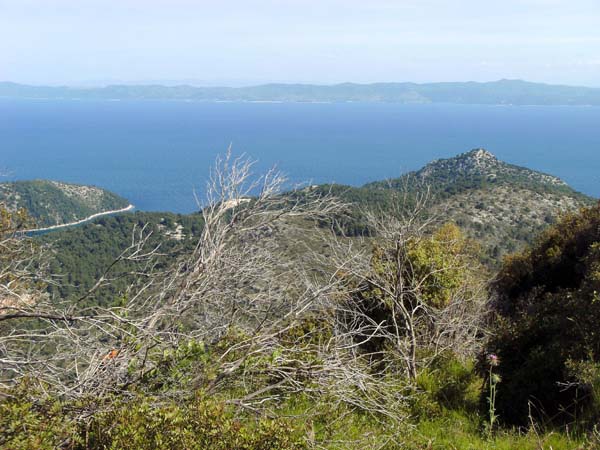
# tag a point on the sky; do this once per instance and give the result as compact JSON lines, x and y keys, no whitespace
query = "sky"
{"x":243,"y":42}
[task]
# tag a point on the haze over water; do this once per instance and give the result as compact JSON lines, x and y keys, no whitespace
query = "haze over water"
{"x":155,"y":153}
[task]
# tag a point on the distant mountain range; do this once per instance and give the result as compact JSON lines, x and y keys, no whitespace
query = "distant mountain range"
{"x":503,"y":92}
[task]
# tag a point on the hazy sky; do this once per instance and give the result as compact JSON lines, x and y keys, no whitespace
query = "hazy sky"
{"x":326,"y":41}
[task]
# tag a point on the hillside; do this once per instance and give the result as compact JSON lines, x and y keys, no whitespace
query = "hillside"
{"x":81,"y":255}
{"x":501,"y":205}
{"x":282,"y":306}
{"x":502,"y":92}
{"x":51,"y":203}
{"x":478,"y":169}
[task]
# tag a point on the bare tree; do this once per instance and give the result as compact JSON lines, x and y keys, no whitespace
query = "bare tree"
{"x":236,"y":278}
{"x":414,"y":292}
{"x":340,"y":326}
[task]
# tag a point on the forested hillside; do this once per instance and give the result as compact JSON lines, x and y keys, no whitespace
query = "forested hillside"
{"x":500,"y":205}
{"x":81,"y":255}
{"x":51,"y":203}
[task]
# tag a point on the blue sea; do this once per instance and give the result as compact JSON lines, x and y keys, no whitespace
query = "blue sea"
{"x":157,"y":153}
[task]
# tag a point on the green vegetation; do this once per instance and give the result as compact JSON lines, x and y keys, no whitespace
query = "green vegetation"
{"x":14,"y":255}
{"x":500,"y":205}
{"x":199,"y":423}
{"x":81,"y":255}
{"x":444,"y":416}
{"x":477,"y":169}
{"x":253,"y":326}
{"x":51,"y":203}
{"x":546,"y":332}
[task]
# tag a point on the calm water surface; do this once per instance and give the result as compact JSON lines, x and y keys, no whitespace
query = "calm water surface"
{"x":157,"y":153}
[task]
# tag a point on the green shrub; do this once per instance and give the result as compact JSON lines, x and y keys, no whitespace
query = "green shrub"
{"x":40,"y":425}
{"x":199,"y":424}
{"x":450,"y":384}
{"x":548,"y":314}
{"x":139,"y":424}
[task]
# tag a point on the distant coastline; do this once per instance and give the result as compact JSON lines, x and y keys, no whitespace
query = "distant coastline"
{"x":302,"y":102}
{"x":79,"y":222}
{"x":501,"y":92}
